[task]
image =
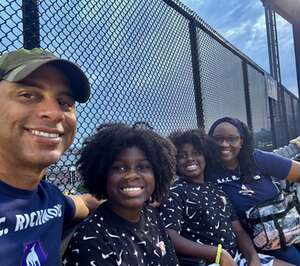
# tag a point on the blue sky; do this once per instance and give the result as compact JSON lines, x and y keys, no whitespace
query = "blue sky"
{"x":243,"y":24}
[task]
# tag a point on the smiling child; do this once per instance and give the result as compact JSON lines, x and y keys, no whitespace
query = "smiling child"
{"x":129,"y":167}
{"x":198,"y":215}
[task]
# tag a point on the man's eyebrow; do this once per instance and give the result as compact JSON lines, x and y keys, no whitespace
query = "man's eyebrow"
{"x":68,"y":93}
{"x":32,"y":83}
{"x":26,"y":83}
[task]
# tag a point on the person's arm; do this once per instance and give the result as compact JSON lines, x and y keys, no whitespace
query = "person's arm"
{"x":296,"y":141}
{"x":190,"y":248}
{"x":245,"y":244}
{"x":84,"y":204}
{"x":294,"y":173}
{"x":274,"y":165}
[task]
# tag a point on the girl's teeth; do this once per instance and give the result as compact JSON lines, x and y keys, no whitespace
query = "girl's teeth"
{"x":191,"y":167}
{"x":128,"y":189}
{"x":225,"y":152}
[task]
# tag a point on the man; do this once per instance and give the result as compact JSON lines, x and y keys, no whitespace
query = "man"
{"x":37,"y":124}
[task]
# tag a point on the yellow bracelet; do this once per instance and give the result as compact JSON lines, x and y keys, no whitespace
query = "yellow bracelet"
{"x":219,"y":253}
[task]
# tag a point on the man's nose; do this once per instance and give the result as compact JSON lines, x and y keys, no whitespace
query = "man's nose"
{"x":51,"y":109}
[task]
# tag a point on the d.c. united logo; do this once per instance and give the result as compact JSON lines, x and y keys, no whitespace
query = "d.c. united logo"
{"x":33,"y":254}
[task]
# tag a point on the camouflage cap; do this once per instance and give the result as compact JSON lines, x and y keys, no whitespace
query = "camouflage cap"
{"x":17,"y":65}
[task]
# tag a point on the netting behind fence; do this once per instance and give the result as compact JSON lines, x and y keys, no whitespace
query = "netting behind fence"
{"x":260,"y":113}
{"x":290,"y":115}
{"x":221,"y":80}
{"x":11,"y":25}
{"x":138,"y":60}
{"x":145,"y":64}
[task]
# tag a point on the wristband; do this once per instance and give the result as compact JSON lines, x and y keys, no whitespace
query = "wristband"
{"x":219,"y":253}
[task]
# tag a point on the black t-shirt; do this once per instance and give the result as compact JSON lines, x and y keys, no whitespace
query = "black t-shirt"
{"x":201,"y":213}
{"x":107,"y":239}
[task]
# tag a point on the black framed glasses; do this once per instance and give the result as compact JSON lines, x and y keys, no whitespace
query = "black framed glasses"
{"x":232,"y":140}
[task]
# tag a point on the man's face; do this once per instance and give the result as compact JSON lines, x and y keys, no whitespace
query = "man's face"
{"x":38,"y":119}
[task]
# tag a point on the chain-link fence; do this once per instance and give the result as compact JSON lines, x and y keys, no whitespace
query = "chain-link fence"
{"x":154,"y":61}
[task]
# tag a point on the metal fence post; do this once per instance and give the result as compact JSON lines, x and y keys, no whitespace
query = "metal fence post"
{"x":296,"y":34}
{"x":272,"y":121}
{"x":196,"y":74}
{"x":293,"y":117}
{"x":247,"y":95}
{"x":284,"y":115}
{"x":31,"y":26}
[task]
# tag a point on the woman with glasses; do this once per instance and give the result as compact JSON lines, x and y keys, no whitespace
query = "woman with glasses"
{"x":244,"y":173}
{"x":198,"y":216}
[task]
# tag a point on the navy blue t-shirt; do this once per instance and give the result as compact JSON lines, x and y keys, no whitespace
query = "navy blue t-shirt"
{"x":31,"y":224}
{"x":245,"y":196}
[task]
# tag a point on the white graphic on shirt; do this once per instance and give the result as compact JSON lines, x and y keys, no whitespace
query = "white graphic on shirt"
{"x":105,"y":256}
{"x":111,"y":235}
{"x":223,"y":198}
{"x":32,"y":258}
{"x":256,"y":177}
{"x":246,"y":191}
{"x":24,"y":221}
{"x":169,"y":224}
{"x":176,"y":194}
{"x":5,"y":230}
{"x":119,"y":260}
{"x":191,"y":202}
{"x":37,"y":218}
{"x":88,"y":237}
{"x":227,"y":179}
{"x":187,"y":213}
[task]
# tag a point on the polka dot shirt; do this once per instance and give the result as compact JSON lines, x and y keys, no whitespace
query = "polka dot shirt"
{"x":107,"y":239}
{"x":201,"y":213}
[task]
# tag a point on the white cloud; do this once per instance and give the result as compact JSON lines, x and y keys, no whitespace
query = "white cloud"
{"x":193,"y":4}
{"x":257,"y":34}
{"x":237,"y":31}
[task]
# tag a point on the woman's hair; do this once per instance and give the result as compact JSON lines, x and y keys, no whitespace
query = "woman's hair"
{"x":100,"y":150}
{"x":201,"y":142}
{"x":245,"y":156}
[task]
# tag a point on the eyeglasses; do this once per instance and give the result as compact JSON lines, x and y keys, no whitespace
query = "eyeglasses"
{"x":232,"y":140}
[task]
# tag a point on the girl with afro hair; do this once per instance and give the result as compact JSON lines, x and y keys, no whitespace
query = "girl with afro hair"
{"x":128,"y":167}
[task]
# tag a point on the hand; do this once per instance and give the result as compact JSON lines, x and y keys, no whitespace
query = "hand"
{"x":296,"y":141}
{"x":84,"y":205}
{"x":90,"y":201}
{"x":226,"y":259}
